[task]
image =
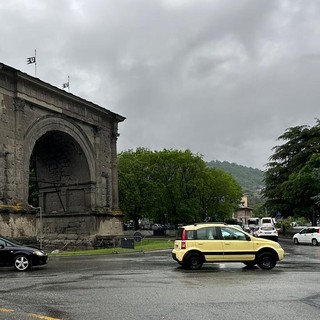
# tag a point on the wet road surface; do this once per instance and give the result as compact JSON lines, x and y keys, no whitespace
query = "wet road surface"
{"x":153,"y":286}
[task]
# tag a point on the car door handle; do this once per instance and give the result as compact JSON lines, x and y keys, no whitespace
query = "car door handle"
{"x":227,"y":243}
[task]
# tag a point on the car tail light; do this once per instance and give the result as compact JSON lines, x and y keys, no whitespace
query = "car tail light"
{"x":319,"y":230}
{"x":184,"y":238}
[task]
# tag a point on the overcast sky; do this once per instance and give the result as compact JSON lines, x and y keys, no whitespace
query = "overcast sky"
{"x":223,"y":78}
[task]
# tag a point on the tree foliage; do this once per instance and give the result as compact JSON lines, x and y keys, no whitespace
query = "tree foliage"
{"x":173,"y":186}
{"x":292,"y":177}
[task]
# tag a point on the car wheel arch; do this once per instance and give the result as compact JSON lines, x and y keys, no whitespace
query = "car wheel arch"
{"x":19,"y":253}
{"x":187,"y":255}
{"x":267,"y":250}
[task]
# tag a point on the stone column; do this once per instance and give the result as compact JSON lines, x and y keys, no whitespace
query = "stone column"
{"x":114,"y":168}
{"x":98,"y":194}
{"x":18,"y":179}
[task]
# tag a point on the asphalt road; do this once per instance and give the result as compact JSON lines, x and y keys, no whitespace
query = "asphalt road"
{"x":152,"y":286}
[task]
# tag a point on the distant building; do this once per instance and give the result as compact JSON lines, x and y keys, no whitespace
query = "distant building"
{"x":244,"y":212}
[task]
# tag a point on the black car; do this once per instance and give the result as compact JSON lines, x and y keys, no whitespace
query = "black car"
{"x":21,"y":257}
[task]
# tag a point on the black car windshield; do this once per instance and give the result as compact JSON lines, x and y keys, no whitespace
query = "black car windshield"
{"x":11,"y":242}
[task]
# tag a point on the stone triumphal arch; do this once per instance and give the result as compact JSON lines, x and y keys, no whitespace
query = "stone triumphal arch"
{"x":58,"y":163}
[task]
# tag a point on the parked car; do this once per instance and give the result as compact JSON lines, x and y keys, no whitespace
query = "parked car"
{"x":246,"y":228}
{"x":21,"y":257}
{"x":128,"y":226}
{"x":157,"y":226}
{"x":169,"y":226}
{"x":266,"y":232}
{"x":213,"y":242}
{"x":253,"y":223}
{"x":310,"y":235}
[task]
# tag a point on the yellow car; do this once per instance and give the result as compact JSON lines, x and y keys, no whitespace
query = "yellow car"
{"x":217,"y":242}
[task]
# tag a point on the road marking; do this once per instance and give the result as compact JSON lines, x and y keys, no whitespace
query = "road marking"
{"x":33,"y":315}
{"x":6,"y":310}
{"x":39,"y":316}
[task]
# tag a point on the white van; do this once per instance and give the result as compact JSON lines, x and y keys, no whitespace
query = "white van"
{"x":268,"y":222}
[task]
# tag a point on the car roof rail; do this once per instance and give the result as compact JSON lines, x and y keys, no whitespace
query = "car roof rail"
{"x":210,"y":222}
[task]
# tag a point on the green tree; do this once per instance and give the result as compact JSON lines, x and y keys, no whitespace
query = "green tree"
{"x":135,"y":183}
{"x":291,"y":178}
{"x":219,"y":194}
{"x":302,"y":189}
{"x":177,"y":173}
{"x":173,"y":186}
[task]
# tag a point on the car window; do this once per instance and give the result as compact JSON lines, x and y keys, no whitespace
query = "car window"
{"x":209,"y":233}
{"x":2,"y":243}
{"x":190,"y":235}
{"x":267,"y":228}
{"x":232,"y":234}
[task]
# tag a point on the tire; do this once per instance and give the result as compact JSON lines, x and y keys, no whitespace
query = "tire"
{"x":266,"y":260}
{"x":314,"y":242}
{"x":193,"y":261}
{"x":296,"y":241}
{"x":22,"y":263}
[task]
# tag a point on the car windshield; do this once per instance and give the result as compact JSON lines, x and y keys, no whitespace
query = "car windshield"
{"x":11,"y":242}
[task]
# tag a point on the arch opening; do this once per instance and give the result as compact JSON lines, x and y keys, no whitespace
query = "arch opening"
{"x":59,"y":180}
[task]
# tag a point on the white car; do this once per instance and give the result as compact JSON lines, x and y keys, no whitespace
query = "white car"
{"x":310,"y":235}
{"x":266,"y":232}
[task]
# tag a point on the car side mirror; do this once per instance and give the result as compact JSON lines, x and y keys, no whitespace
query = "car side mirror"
{"x":1,"y":246}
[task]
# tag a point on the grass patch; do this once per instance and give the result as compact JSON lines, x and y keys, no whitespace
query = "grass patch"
{"x":144,"y":246}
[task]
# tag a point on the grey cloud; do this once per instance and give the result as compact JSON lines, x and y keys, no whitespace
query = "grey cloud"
{"x":223,"y":78}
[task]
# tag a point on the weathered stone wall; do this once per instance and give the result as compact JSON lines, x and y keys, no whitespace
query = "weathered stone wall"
{"x":76,"y":227}
{"x":17,"y":225}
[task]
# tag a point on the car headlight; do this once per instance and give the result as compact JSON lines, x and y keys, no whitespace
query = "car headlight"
{"x":39,"y":253}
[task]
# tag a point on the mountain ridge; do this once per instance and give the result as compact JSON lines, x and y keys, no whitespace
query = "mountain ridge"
{"x":250,"y":179}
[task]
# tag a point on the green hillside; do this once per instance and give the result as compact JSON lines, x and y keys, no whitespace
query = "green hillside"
{"x":250,"y":179}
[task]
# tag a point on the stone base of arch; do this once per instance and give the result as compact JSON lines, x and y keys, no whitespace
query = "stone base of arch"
{"x":59,"y":231}
{"x":17,"y":222}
